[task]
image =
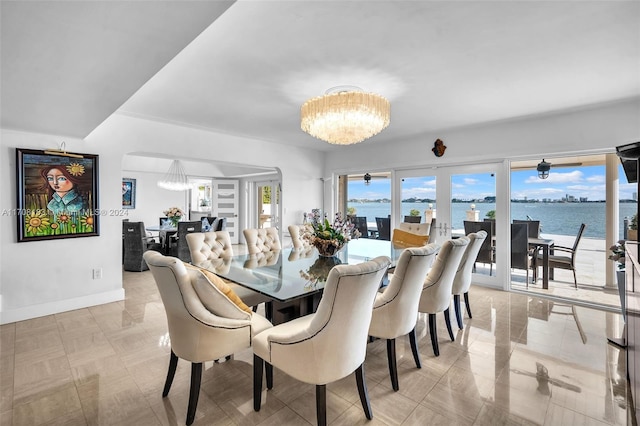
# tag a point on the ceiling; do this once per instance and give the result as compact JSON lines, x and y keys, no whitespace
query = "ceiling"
{"x":66,"y":66}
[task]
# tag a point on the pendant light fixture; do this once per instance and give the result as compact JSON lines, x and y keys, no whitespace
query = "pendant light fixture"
{"x":175,"y":179}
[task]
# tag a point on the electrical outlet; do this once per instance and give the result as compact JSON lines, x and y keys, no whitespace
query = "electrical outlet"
{"x":97,"y":273}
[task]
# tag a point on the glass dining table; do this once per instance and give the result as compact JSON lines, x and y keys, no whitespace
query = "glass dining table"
{"x":294,"y":279}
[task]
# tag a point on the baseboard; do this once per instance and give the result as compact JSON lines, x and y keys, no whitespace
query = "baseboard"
{"x":44,"y":309}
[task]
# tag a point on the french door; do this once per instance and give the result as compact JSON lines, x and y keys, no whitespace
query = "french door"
{"x":225,"y":204}
{"x":267,"y":204}
{"x":451,"y":196}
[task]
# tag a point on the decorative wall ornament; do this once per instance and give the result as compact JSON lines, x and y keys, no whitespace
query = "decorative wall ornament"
{"x":438,"y":148}
{"x":57,"y":195}
{"x":128,"y":193}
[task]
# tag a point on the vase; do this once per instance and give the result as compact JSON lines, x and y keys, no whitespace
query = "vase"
{"x":174,"y":220}
{"x":328,"y":248}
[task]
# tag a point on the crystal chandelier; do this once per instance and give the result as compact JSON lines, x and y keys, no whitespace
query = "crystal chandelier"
{"x":175,"y":179}
{"x":345,"y":115}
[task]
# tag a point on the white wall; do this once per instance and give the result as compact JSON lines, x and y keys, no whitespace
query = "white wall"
{"x":43,"y":277}
{"x":151,"y":200}
{"x":600,"y":128}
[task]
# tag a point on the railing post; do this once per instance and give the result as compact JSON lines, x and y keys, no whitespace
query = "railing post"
{"x":625,"y":228}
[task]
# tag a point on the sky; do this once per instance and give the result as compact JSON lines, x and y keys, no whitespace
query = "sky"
{"x":587,"y":181}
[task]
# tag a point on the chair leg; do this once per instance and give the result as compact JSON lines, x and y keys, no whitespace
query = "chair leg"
{"x":268,"y":310}
{"x":414,"y":348}
{"x":258,"y":364}
{"x":391,"y":360}
{"x":194,"y":392}
{"x":269,"y":369}
{"x":362,"y":391}
{"x":321,"y":405}
{"x":466,"y":302}
{"x":447,"y":321}
{"x":173,"y":363}
{"x":456,"y":307}
{"x":434,"y":334}
{"x":575,"y":280}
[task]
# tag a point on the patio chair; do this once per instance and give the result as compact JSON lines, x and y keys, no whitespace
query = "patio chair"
{"x":534,"y":227}
{"x":567,"y":258}
{"x":485,"y":255}
{"x":413,"y":219}
{"x":520,"y":253}
{"x":134,"y":243}
{"x":360,"y":222}
{"x":384,"y":228}
{"x":178,"y":242}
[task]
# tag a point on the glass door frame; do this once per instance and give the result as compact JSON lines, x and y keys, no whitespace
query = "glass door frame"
{"x":443,"y":175}
{"x":275,"y":214}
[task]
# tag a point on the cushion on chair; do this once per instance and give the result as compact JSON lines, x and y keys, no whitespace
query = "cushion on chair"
{"x":205,"y":286}
{"x":408,"y":239}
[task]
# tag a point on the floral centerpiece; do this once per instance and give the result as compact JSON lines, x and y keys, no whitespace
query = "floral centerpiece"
{"x":618,"y":254}
{"x":174,"y":214}
{"x":329,"y":238}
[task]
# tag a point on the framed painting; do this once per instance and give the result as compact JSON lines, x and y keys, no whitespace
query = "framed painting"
{"x":57,"y":195}
{"x":128,"y":193}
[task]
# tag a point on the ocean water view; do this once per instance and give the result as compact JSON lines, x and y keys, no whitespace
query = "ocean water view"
{"x":555,"y":218}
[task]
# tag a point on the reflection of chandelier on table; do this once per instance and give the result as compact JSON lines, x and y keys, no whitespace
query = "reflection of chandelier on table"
{"x":345,"y":115}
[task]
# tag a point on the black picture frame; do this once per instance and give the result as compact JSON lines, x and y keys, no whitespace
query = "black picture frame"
{"x":57,"y":195}
{"x":128,"y":193}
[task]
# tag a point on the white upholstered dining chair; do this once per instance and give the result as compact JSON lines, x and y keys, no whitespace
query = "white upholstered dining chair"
{"x":297,"y":232}
{"x":206,"y":322}
{"x":436,"y":292}
{"x":328,"y":345}
{"x":462,"y":279}
{"x":395,"y":311}
{"x":213,"y":251}
{"x":260,"y":240}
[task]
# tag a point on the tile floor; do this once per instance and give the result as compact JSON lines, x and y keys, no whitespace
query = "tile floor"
{"x":520,"y":360}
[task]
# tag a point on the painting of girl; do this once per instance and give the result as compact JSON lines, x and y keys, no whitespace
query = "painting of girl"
{"x":57,"y":195}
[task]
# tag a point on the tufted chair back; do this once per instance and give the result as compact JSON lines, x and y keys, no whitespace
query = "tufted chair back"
{"x":296,"y":232}
{"x":207,"y":246}
{"x":262,"y":240}
{"x":415,"y":228}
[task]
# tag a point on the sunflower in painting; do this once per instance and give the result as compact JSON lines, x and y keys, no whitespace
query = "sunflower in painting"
{"x":36,"y":222}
